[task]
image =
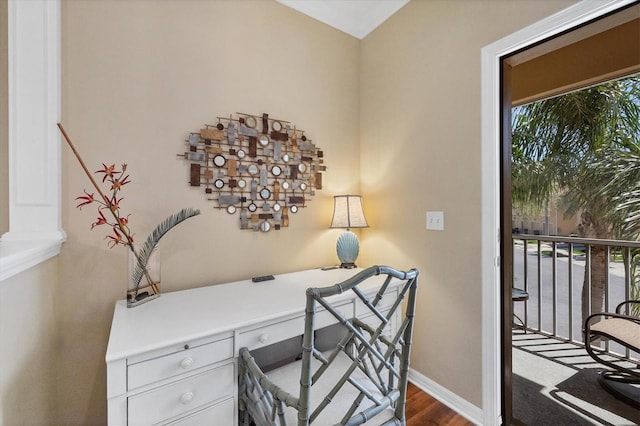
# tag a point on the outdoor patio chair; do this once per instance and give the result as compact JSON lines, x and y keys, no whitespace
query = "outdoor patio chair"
{"x":624,"y":328}
{"x":363,"y":378}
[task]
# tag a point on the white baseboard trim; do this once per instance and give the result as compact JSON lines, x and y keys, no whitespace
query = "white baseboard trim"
{"x":448,"y":398}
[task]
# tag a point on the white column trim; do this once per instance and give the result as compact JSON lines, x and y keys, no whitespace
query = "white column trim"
{"x":34,"y":140}
{"x":564,"y":20}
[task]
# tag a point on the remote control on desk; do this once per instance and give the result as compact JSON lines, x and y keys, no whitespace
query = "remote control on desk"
{"x":262,"y":278}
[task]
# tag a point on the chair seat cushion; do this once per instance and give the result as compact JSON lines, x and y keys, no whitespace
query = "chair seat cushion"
{"x":288,"y":377}
{"x":622,"y":329}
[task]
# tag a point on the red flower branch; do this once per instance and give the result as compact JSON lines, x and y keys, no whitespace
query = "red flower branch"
{"x":120,"y":224}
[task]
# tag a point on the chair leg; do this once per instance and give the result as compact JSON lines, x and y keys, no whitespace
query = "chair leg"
{"x":243,"y":417}
{"x":521,"y":325}
{"x":514,"y":323}
{"x":622,"y":387}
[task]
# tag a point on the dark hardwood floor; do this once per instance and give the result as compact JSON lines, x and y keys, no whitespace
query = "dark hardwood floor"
{"x":423,"y":410}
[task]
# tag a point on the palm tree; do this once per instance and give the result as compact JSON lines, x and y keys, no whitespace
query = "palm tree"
{"x":560,"y":145}
{"x":620,"y":182}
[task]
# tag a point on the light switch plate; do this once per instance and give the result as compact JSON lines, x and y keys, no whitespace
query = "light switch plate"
{"x":435,"y":221}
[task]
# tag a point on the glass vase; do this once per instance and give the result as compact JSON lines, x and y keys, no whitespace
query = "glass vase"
{"x":148,"y":288}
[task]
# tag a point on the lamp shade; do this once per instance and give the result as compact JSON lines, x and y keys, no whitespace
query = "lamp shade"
{"x":347,"y":212}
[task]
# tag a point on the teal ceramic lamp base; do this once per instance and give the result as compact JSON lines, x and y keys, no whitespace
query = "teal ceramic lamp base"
{"x":348,"y":248}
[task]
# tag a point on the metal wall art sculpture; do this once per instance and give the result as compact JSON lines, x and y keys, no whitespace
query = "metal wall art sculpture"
{"x":262,"y":169}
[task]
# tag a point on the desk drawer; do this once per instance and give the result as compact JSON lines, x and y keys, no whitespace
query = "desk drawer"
{"x":219,"y":414}
{"x":324,"y":318}
{"x":181,"y":397}
{"x":385,"y":303}
{"x":153,"y":370}
{"x":263,"y":336}
{"x":374,"y":322}
{"x":273,"y":333}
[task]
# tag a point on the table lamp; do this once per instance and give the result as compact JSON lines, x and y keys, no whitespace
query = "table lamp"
{"x":347,"y":213}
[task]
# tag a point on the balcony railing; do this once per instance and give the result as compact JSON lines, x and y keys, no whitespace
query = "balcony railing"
{"x":551,"y":270}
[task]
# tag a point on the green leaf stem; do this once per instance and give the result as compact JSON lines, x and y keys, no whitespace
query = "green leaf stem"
{"x":152,"y":241}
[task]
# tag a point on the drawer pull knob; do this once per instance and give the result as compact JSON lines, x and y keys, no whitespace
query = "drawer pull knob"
{"x":186,"y":397}
{"x":263,"y":338}
{"x":186,"y":363}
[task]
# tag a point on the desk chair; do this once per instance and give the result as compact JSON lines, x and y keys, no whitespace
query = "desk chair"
{"x":363,"y":379}
{"x":622,"y":382}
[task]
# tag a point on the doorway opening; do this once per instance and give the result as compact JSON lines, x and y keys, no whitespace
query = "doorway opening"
{"x":599,"y":50}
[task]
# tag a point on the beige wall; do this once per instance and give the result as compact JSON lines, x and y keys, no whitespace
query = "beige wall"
{"x":28,"y":346}
{"x":420,"y":151}
{"x":138,"y":76}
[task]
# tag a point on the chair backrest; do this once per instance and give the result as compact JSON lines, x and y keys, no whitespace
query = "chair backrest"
{"x":376,"y":347}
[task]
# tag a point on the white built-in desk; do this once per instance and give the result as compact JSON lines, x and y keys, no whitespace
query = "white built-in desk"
{"x":173,"y":360}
